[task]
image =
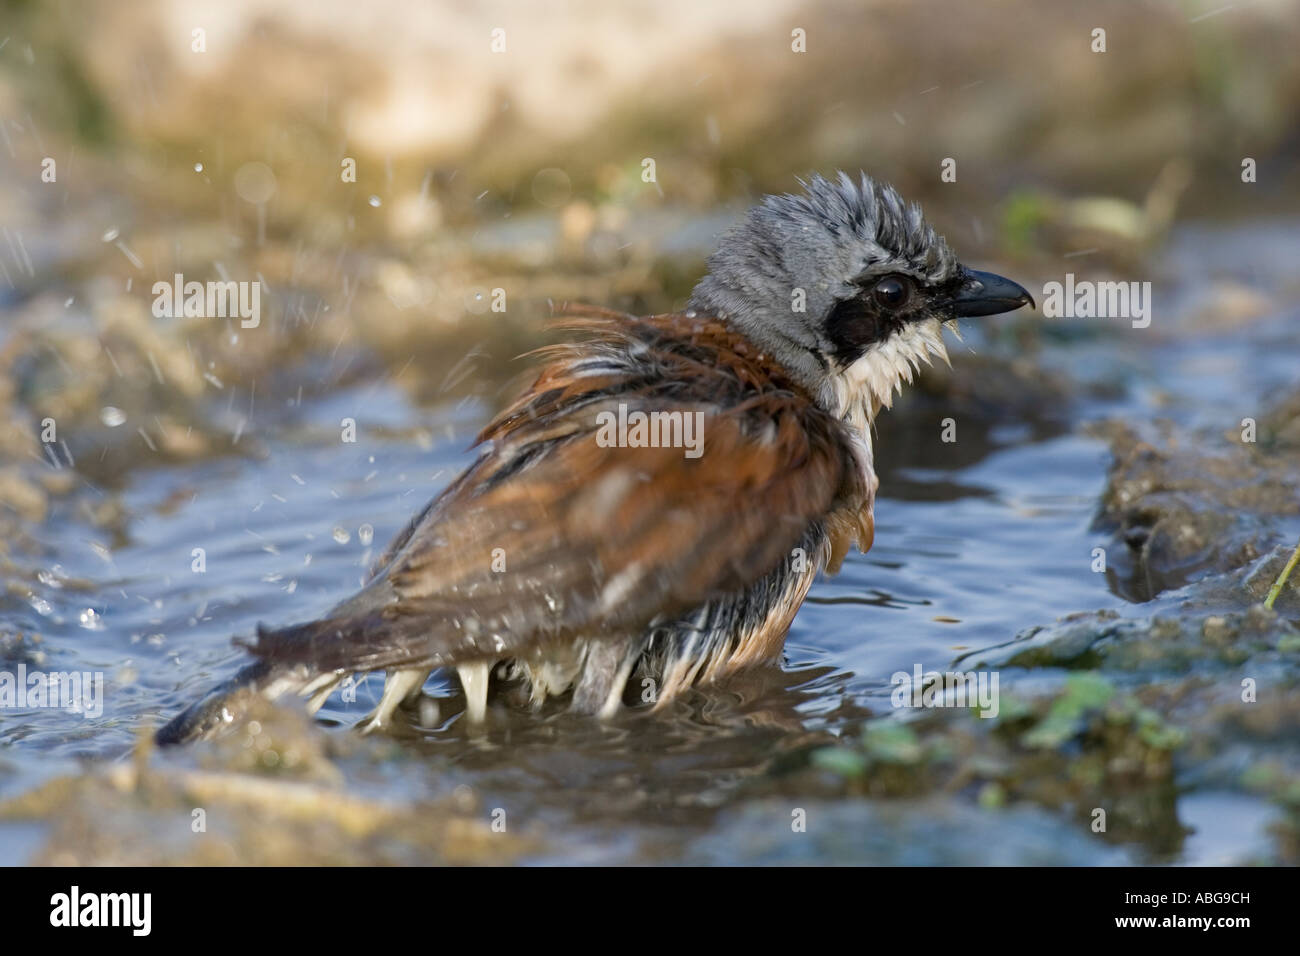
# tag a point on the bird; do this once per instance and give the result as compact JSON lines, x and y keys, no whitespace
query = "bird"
{"x":653,"y":508}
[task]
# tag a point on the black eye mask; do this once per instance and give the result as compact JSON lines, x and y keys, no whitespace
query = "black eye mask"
{"x":885,"y":304}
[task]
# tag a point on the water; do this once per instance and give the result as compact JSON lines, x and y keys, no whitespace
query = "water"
{"x":974,"y":543}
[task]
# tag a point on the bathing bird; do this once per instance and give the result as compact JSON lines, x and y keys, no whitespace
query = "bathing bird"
{"x":657,"y":503}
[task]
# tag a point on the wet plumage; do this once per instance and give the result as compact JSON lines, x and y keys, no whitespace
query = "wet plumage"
{"x":581,"y":565}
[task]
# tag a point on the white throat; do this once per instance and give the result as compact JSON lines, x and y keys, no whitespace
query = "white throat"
{"x":859,"y":391}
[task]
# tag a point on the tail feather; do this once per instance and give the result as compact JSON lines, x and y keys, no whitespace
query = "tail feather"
{"x":312,"y":658}
{"x":217,"y":708}
{"x":308,"y":660}
{"x":369,"y":641}
{"x":228,"y":701}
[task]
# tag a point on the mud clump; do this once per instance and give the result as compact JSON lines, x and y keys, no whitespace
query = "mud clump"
{"x":270,"y":796}
{"x":1085,"y":744}
{"x":1177,"y":509}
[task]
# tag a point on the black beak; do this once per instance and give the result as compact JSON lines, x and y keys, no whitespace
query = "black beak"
{"x":983,"y":293}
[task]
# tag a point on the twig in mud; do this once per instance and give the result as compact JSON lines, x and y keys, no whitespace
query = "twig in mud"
{"x":1276,"y":589}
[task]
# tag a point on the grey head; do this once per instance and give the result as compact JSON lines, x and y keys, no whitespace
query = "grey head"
{"x":848,"y":288}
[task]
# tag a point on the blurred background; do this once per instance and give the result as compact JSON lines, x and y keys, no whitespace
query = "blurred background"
{"x":593,"y":151}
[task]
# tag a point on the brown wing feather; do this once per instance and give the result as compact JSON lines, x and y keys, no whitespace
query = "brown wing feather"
{"x":596,"y":540}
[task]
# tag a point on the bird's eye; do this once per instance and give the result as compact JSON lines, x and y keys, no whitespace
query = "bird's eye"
{"x":892,"y":292}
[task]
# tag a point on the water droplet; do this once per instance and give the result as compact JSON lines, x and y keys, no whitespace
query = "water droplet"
{"x":341,"y":535}
{"x":53,"y":578}
{"x":112,"y":416}
{"x":476,"y":301}
{"x":198,"y":167}
{"x":110,"y":235}
{"x":255,"y":182}
{"x":366,"y":534}
{"x":376,"y":201}
{"x":91,"y":620}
